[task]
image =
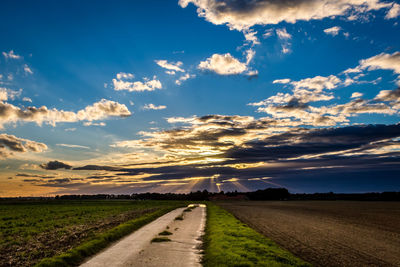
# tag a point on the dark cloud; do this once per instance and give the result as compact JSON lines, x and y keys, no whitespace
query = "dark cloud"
{"x":96,"y":168}
{"x":288,"y":159}
{"x":10,"y":143}
{"x":313,"y":141}
{"x":54,"y":165}
{"x":389,"y":95}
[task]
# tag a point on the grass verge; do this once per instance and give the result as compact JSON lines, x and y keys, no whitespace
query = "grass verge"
{"x":76,"y":255}
{"x":229,"y":242}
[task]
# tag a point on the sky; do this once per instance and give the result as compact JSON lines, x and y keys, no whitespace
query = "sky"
{"x":124,"y":97}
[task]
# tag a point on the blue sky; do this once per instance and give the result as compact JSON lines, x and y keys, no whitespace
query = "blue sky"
{"x":172,"y":96}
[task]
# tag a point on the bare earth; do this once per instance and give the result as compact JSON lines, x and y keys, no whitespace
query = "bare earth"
{"x":328,"y":233}
{"x":138,"y":250}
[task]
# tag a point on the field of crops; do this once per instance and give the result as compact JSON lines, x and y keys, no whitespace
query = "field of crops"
{"x":31,"y":231}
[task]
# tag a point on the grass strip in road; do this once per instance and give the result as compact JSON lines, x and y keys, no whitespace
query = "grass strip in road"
{"x":165,"y":233}
{"x":179,"y":218}
{"x":229,"y":242}
{"x":160,"y":239}
{"x":76,"y":255}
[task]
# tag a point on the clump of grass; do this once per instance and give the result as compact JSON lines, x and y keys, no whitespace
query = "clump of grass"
{"x":179,"y":218}
{"x":189,"y":209}
{"x":165,"y":233}
{"x":229,"y":242}
{"x":160,"y":239}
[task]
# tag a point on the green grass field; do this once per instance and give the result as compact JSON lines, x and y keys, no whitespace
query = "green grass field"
{"x":31,"y":231}
{"x":229,"y":242}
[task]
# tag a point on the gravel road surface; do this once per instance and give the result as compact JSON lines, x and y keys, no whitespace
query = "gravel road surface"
{"x":138,"y":250}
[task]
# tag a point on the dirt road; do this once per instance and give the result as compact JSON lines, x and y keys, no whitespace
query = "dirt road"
{"x":138,"y":250}
{"x":328,"y":233}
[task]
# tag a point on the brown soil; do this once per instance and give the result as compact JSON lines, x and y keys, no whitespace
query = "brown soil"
{"x":328,"y":233}
{"x":48,"y":244}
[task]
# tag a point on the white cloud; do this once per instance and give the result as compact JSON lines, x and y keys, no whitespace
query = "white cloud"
{"x":394,"y":12}
{"x":98,"y":111}
{"x":3,"y":94}
{"x":283,"y":81}
{"x":172,"y":66}
{"x":11,"y":55}
{"x":251,"y":37}
{"x":296,"y":106}
{"x":250,"y":53}
{"x":352,"y":70}
{"x":89,"y":123}
{"x":103,"y":109}
{"x":333,"y":31}
{"x":286,"y":49}
{"x":223,"y":64}
{"x":283,"y":34}
{"x":170,"y":72}
{"x":154,"y":107}
{"x":27,"y":69}
{"x":317,"y":83}
{"x":184,"y":78}
{"x":73,"y":146}
{"x":124,"y":75}
{"x":382,"y":61}
{"x":304,"y":91}
{"x":252,"y":73}
{"x":122,"y":82}
{"x":268,"y":33}
{"x":296,"y":109}
{"x":6,"y":94}
{"x":241,"y":15}
{"x":356,"y":95}
{"x":27,"y":99}
{"x":181,"y":119}
{"x":389,"y":95}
